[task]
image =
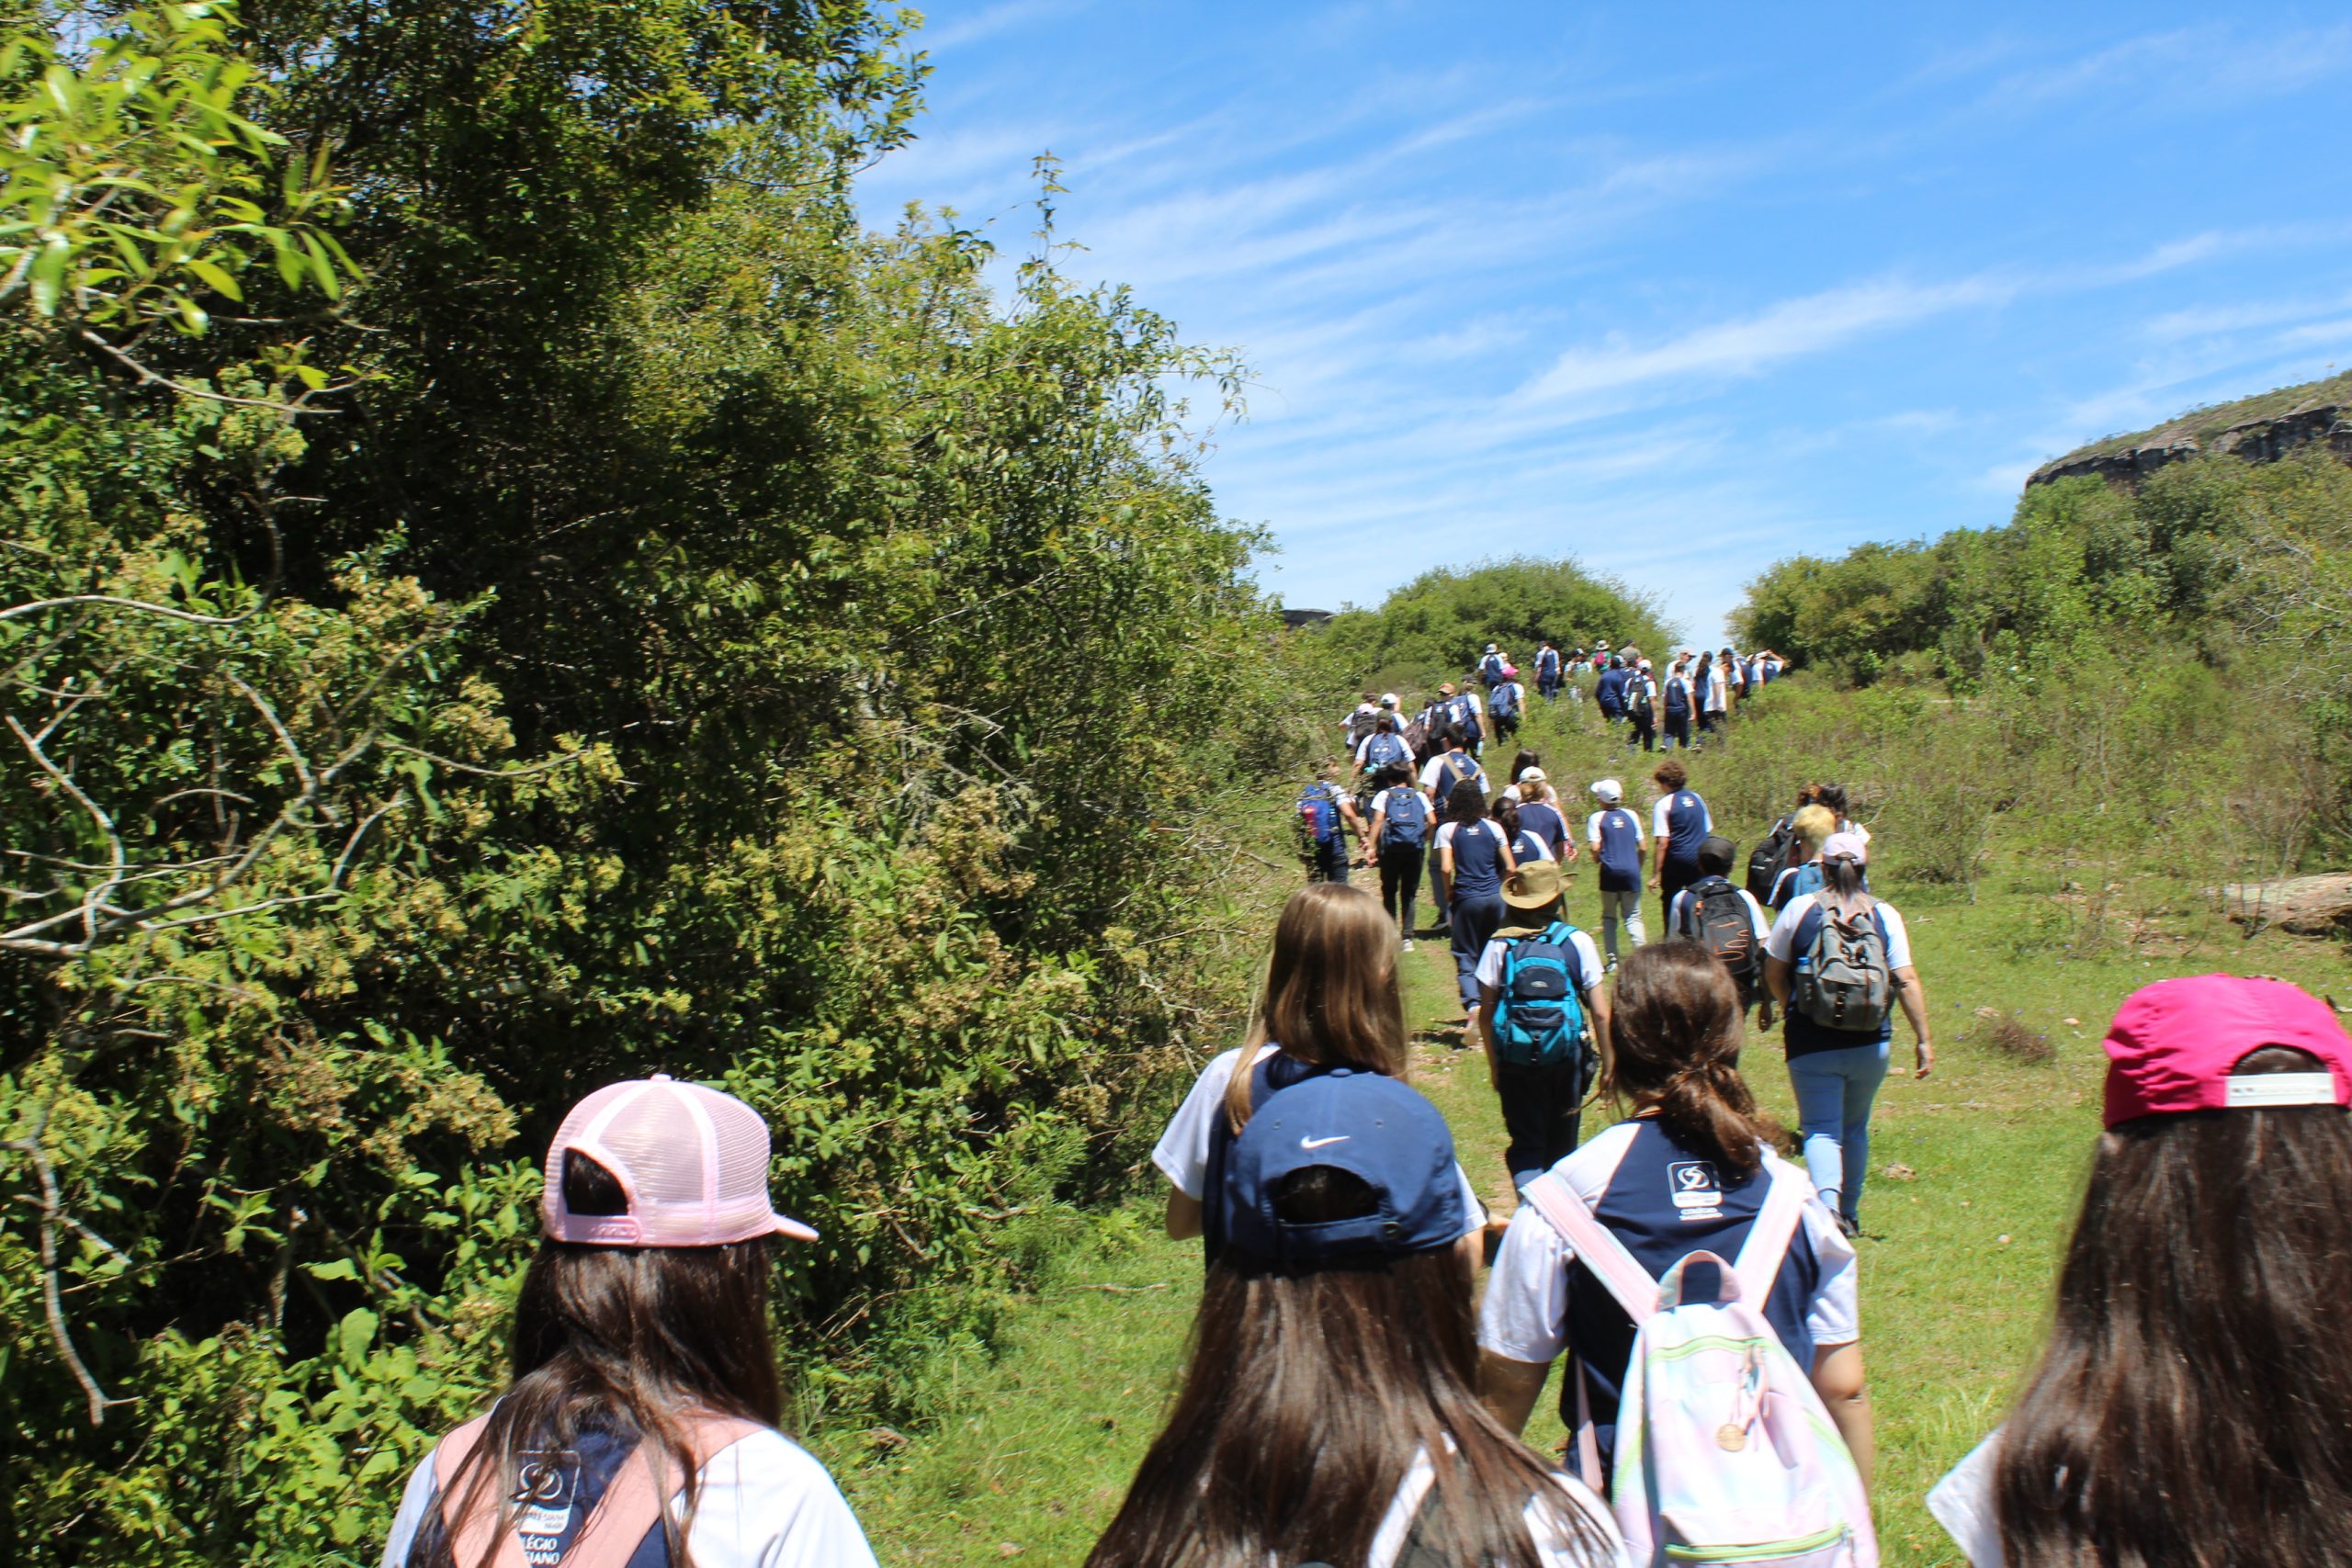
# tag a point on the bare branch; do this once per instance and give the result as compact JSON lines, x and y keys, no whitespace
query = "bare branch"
{"x":52,"y":1214}
{"x":157,"y":379}
{"x":121,"y":603}
{"x":98,"y":814}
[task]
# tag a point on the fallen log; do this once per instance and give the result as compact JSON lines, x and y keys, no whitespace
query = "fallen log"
{"x":2313,"y":906}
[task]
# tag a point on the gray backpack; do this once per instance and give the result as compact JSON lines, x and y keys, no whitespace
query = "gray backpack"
{"x":1844,"y":981}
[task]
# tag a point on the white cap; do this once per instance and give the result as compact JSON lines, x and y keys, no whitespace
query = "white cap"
{"x":1609,"y":791}
{"x":1389,"y":699}
{"x":1532,"y":776}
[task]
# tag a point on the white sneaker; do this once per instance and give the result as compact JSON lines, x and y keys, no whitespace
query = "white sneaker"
{"x":1408,"y":944}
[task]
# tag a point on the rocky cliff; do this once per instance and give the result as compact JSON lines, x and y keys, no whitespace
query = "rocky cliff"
{"x":2259,"y":429}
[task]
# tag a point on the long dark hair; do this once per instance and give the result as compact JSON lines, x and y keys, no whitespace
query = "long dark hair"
{"x":1331,"y":995}
{"x":2192,"y":1407}
{"x":1306,"y":1398}
{"x":626,"y":1340}
{"x":1466,"y":802}
{"x":1676,"y":1031}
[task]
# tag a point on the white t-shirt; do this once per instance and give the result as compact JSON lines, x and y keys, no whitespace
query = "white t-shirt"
{"x":1437,"y":777}
{"x":1756,"y":919}
{"x":1785,"y":932}
{"x":1718,"y":684}
{"x":1490,"y":962}
{"x":764,"y":1503}
{"x":1658,"y":817}
{"x":1525,"y":1314}
{"x":1592,"y":826}
{"x":1552,"y":1550}
{"x":1848,"y":825}
{"x":1182,"y":1154}
{"x":1962,"y":1502}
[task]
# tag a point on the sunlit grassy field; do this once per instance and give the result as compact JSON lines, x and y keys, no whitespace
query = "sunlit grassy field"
{"x":1031,"y":1452}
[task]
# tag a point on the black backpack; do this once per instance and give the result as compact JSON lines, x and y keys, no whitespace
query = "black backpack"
{"x":1359,"y":728}
{"x":1720,"y":918}
{"x":1770,"y":859}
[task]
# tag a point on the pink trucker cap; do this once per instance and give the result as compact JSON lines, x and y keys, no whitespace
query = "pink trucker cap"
{"x":2174,"y":1044}
{"x":1844,"y":846}
{"x":692,"y":1161}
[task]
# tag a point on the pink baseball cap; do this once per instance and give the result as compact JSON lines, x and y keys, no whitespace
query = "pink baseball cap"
{"x":1846,"y":846}
{"x":2174,"y":1044}
{"x":693,"y":1162}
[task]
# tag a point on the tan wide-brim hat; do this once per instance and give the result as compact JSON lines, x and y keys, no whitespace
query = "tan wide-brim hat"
{"x":1532,"y":886}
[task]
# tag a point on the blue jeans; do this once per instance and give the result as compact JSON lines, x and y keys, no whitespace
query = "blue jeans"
{"x":1834,"y":1091}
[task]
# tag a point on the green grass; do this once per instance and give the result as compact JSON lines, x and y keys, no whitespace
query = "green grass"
{"x":1030,"y":1452}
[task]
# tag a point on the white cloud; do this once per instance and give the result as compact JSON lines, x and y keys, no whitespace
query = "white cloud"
{"x":1744,"y":347}
{"x":938,"y":37}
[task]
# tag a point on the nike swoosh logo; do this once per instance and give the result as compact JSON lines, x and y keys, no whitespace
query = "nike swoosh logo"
{"x":1319,"y":1142}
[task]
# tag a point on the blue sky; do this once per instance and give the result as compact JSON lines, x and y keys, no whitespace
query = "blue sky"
{"x":1678,"y":291}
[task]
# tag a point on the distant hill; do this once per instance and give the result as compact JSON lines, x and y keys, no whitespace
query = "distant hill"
{"x":2260,"y":429}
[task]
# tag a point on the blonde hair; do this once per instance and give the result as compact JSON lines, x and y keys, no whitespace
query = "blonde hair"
{"x":1330,"y":996}
{"x":1814,"y":825}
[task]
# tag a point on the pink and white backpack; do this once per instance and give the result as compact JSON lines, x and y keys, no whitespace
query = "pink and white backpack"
{"x":1724,"y":1453}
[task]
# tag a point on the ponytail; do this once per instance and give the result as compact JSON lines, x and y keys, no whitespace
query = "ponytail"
{"x":1677,"y":1030}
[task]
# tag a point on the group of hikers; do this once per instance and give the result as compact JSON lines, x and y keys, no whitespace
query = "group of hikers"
{"x":1354,"y":1391}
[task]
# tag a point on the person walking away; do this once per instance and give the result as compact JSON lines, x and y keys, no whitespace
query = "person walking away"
{"x":1609,"y":692}
{"x":1706,"y":697}
{"x":1359,"y":723}
{"x":1776,"y":851}
{"x":1491,"y":666}
{"x":1676,"y":701}
{"x":1507,"y":702}
{"x":1677,"y":824}
{"x":1833,"y":795}
{"x":1640,"y":699}
{"x":1687,"y":1182}
{"x":1726,"y":920}
{"x":1445,"y":773}
{"x":1547,"y":671}
{"x":1401,"y":825}
{"x":1544,"y":1018}
{"x":2192,"y":1402}
{"x":1838,"y":962}
{"x":1384,"y":748}
{"x":1727,"y":691}
{"x":1329,"y":1001}
{"x":1329,"y":1410}
{"x":1539,"y":813}
{"x":1525,"y":846}
{"x":1475,"y":856}
{"x":1615,"y":835}
{"x":645,"y":1395}
{"x":1469,"y":715}
{"x":1810,"y":829}
{"x":1324,"y":816}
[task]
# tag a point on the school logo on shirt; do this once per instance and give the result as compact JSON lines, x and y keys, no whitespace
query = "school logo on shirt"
{"x":546,"y":1486}
{"x":1695,"y":1188}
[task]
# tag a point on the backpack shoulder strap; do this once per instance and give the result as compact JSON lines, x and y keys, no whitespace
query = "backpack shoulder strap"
{"x":1562,"y":935}
{"x":632,"y":1505}
{"x":1768,"y":1240}
{"x":1596,"y":1246}
{"x":470,"y":1540}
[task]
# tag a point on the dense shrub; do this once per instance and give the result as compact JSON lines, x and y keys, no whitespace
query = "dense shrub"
{"x":1434,"y":627}
{"x":684,"y":631}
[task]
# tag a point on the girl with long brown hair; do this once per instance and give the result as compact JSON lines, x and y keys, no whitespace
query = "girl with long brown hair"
{"x":2194,"y":1405}
{"x":640,"y":1426}
{"x":1329,"y":1411}
{"x":1329,"y":1001}
{"x":1687,"y":1171}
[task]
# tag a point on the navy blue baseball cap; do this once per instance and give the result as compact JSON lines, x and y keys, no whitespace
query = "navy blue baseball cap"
{"x":1370,"y":1126}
